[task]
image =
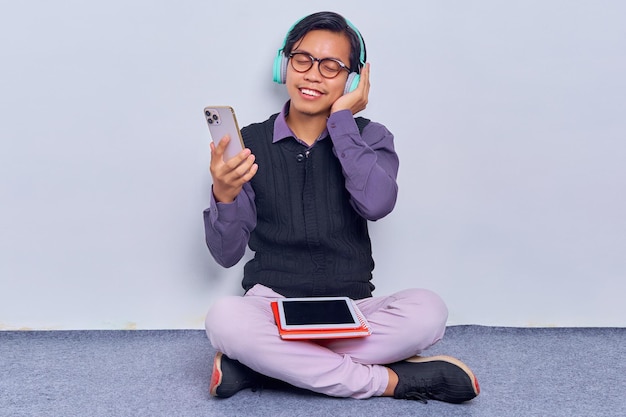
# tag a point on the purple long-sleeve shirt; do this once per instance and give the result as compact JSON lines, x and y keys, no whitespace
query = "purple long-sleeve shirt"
{"x":369,"y":164}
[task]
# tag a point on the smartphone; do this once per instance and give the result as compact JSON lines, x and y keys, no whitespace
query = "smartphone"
{"x":221,"y":121}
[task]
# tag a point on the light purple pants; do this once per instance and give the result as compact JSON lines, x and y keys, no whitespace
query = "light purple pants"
{"x":403,"y":325}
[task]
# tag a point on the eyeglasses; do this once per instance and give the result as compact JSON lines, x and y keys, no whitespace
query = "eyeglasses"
{"x":328,"y":67}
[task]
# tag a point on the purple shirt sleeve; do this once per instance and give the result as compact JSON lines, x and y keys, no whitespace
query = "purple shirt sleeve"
{"x":227,"y":227}
{"x":369,"y":163}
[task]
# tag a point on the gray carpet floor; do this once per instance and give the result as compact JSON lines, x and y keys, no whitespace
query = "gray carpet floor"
{"x":522,"y":372}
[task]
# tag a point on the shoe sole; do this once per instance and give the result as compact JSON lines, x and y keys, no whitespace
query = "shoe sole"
{"x":217,"y":375}
{"x":452,"y":360}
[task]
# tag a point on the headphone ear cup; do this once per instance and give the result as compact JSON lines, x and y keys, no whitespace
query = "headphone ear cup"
{"x":352,"y":82}
{"x":283,"y":69}
{"x":280,"y":68}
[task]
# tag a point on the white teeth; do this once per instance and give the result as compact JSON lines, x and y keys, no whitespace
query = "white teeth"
{"x":310,"y":92}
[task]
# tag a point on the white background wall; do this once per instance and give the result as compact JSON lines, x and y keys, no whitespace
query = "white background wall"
{"x":509,"y":118}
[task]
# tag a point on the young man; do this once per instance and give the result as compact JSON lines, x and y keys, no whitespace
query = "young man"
{"x":300,"y":196}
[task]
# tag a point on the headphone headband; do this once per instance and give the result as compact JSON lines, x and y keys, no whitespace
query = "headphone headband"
{"x":350,"y":25}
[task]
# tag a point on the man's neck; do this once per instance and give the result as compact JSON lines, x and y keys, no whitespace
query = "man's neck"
{"x":307,"y":128}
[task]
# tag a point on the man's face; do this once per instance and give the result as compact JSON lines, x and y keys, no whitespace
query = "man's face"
{"x":311,"y":93}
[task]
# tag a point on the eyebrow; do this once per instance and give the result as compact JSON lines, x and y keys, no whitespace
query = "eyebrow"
{"x":301,"y":51}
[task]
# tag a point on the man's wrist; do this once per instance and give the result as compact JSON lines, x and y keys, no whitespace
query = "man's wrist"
{"x":221,"y":196}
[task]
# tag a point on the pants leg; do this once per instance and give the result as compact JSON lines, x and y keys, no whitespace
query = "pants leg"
{"x":403,"y":325}
{"x":243,"y":328}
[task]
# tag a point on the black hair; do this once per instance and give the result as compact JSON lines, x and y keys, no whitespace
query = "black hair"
{"x":328,"y":21}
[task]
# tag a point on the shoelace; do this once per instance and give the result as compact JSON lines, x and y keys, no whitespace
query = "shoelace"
{"x":263,"y":383}
{"x":417,"y":396}
{"x":424,"y":393}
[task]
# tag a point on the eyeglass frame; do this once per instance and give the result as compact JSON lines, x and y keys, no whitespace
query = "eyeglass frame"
{"x":319,"y":62}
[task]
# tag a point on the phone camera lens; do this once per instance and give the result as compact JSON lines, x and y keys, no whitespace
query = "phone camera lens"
{"x":215,"y":117}
{"x":208,"y":113}
{"x":210,"y":121}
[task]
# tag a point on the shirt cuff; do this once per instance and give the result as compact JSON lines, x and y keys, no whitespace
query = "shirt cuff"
{"x":223,"y":212}
{"x":341,"y":123}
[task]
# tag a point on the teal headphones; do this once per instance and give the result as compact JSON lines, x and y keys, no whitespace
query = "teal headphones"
{"x":281,"y":61}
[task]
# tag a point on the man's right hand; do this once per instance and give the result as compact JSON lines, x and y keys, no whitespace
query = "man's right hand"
{"x":230,"y":176}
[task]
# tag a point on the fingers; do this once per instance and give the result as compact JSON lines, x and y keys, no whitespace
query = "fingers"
{"x":363,"y":88}
{"x":221,"y":146}
{"x":365,"y":80}
{"x":234,"y":168}
{"x":229,"y":176}
{"x":356,"y":100}
{"x":251,"y":172}
{"x":217,"y":153}
{"x":239,"y":173}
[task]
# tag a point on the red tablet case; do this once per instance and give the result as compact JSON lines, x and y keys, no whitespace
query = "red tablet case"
{"x":339,"y":333}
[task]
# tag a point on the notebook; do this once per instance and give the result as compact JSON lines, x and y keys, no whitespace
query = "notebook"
{"x":319,"y":318}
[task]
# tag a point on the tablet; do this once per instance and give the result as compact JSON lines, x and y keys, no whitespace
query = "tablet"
{"x":317,"y":313}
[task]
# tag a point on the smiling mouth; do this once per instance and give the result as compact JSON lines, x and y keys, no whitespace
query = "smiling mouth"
{"x":309,"y":92}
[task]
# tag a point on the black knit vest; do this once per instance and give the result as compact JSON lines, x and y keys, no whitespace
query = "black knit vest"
{"x":309,"y":241}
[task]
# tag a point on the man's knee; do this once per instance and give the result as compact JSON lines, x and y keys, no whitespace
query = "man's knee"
{"x":221,"y":318}
{"x":428,"y":310}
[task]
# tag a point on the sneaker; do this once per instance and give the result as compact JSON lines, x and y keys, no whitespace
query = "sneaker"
{"x":441,"y":378}
{"x":230,"y":376}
